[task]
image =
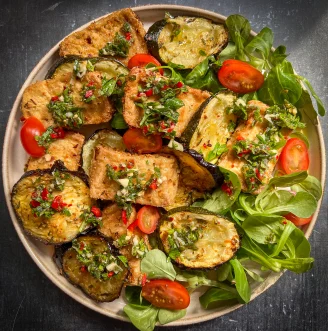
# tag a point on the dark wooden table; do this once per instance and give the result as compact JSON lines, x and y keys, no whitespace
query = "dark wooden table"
{"x":28,"y":300}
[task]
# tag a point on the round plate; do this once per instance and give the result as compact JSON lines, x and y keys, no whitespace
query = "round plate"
{"x":14,"y":159}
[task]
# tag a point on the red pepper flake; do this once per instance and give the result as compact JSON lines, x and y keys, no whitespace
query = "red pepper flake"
{"x":130,"y":164}
{"x":22,"y":119}
{"x":145,"y":129}
{"x":124,"y":217}
{"x":179,"y":84}
{"x":119,"y":83}
{"x":128,"y":35}
{"x":58,"y":204}
{"x":88,"y":94}
{"x":132,"y":226}
{"x":252,"y":180}
{"x":110,"y":274}
{"x":91,"y":83}
{"x":284,"y":222}
{"x":205,"y":145}
{"x":34,"y":195}
{"x":258,"y":174}
{"x":171,"y":219}
{"x":55,"y":98}
{"x":226,"y":188}
{"x":83,"y":268}
{"x":81,"y":245}
{"x":114,"y":167}
{"x":239,"y":138}
{"x":34,"y":203}
{"x":165,"y":87}
{"x":143,"y":280}
{"x":242,"y":153}
{"x":96,"y":211}
{"x":149,"y":92}
{"x":153,"y":185}
{"x":59,"y":133}
{"x":44,"y":194}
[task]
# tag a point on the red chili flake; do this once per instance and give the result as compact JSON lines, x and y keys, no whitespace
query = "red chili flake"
{"x":242,"y":153}
{"x":145,"y":129}
{"x":179,"y":84}
{"x":252,"y":180}
{"x":130,"y":164}
{"x":34,"y":203}
{"x":110,"y":274}
{"x":171,"y":219}
{"x":57,"y":204}
{"x":96,"y":211}
{"x":55,"y":98}
{"x":34,"y":195}
{"x":258,"y":174}
{"x":239,"y":138}
{"x":114,"y":167}
{"x":22,"y":119}
{"x":60,"y":132}
{"x":83,"y":268}
{"x":143,"y":280}
{"x":226,"y":188}
{"x":149,"y":92}
{"x":205,"y":145}
{"x":284,"y":222}
{"x":153,"y":185}
{"x":88,"y":94}
{"x":162,"y":125}
{"x":128,"y":35}
{"x":44,"y":194}
{"x":91,"y":83}
{"x":132,"y":226}
{"x":165,"y":87}
{"x":81,"y":245}
{"x":119,"y":83}
{"x":124,"y":217}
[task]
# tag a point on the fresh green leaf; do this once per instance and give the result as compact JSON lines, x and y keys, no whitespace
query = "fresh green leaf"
{"x":224,"y":271}
{"x":311,"y":185}
{"x":305,"y":106}
{"x":156,"y":265}
{"x":133,"y":296}
{"x":242,"y":285}
{"x":298,"y":265}
{"x":166,"y":316}
{"x":195,"y":279}
{"x":142,"y":317}
{"x":118,"y":122}
{"x":216,"y":152}
{"x":254,"y":275}
{"x":278,"y":55}
{"x":107,"y":86}
{"x":214,"y":295}
{"x":288,"y":229}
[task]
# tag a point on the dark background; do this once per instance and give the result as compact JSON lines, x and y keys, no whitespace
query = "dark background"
{"x":28,"y":300}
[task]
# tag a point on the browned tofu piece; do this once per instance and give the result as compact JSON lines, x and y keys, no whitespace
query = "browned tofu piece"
{"x":248,"y":131}
{"x":192,"y":99}
{"x":67,"y":150}
{"x":101,"y":187}
{"x":37,"y":96}
{"x":88,"y":42}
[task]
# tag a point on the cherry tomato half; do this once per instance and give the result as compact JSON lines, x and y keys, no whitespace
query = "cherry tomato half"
{"x":137,"y":142}
{"x":32,"y":127}
{"x":240,"y":77}
{"x":148,"y":217}
{"x":141,"y":60}
{"x":164,"y":293}
{"x":298,"y":221}
{"x":294,"y":156}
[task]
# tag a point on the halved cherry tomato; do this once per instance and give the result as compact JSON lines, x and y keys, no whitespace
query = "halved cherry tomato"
{"x":141,"y":60}
{"x":137,"y":142}
{"x":294,"y":156}
{"x":32,"y":127}
{"x":298,"y":221}
{"x":148,"y":217}
{"x":164,"y":293}
{"x":240,"y":77}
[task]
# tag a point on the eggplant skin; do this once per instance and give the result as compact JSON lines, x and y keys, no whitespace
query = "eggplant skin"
{"x":98,"y":290}
{"x":218,"y":238}
{"x":59,"y":228}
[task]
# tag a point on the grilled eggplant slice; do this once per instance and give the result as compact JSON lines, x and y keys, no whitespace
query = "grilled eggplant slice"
{"x":108,"y":67}
{"x":211,"y":126}
{"x":198,"y":239}
{"x":186,"y":40}
{"x":101,"y":286}
{"x":105,"y":137}
{"x":43,"y":215}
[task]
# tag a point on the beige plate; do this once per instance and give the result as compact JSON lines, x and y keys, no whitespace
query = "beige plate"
{"x":14,"y":158}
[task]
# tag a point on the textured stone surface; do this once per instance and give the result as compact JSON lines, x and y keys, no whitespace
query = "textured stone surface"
{"x":28,"y":300}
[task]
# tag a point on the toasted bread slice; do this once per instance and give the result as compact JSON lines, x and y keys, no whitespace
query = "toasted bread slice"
{"x":37,"y":96}
{"x":102,"y":187}
{"x":192,"y":99}
{"x":67,"y":150}
{"x":89,"y":41}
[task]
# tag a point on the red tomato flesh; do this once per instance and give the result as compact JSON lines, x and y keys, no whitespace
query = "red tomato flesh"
{"x":164,"y":293}
{"x":240,"y":77}
{"x":294,"y":156}
{"x":148,"y":217}
{"x":137,"y":142}
{"x":141,"y":60}
{"x":32,"y":127}
{"x":298,"y":221}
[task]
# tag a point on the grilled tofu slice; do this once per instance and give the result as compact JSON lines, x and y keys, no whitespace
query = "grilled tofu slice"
{"x":248,"y":131}
{"x":101,"y":187}
{"x":37,"y":96}
{"x":89,"y":41}
{"x":67,"y":150}
{"x":192,"y":99}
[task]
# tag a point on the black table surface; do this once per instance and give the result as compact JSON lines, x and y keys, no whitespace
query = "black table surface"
{"x":28,"y":300}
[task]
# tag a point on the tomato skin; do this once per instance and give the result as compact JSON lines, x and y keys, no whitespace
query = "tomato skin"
{"x":137,"y":142}
{"x":148,"y":217}
{"x":32,"y":127}
{"x":298,"y":221}
{"x":294,"y":156}
{"x":168,"y":294}
{"x":240,"y":77}
{"x":141,"y":60}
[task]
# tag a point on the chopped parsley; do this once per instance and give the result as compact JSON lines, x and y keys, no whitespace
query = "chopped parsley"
{"x":59,"y":178}
{"x":50,"y":135}
{"x":88,"y":92}
{"x":88,"y":218}
{"x":64,"y":111}
{"x":80,"y":68}
{"x":139,"y":248}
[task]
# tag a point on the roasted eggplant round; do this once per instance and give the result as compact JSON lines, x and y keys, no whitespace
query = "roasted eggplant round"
{"x":49,"y":203}
{"x":198,"y":239}
{"x":105,"y":137}
{"x":91,"y":265}
{"x":185,"y":40}
{"x":109,"y":67}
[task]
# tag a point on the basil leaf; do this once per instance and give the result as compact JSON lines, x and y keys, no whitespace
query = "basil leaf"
{"x":156,"y":265}
{"x":214,"y":295}
{"x":310,"y":185}
{"x":305,"y":106}
{"x":118,"y":122}
{"x":142,"y":317}
{"x":166,"y":316}
{"x":278,"y":55}
{"x":242,"y":286}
